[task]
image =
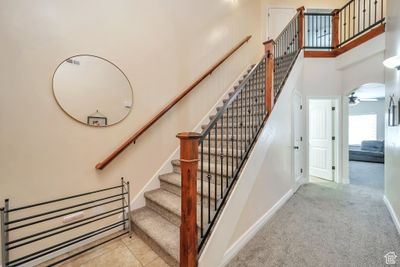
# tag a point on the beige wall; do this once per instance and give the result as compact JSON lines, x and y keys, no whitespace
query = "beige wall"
{"x":392,"y":80}
{"x":162,"y":46}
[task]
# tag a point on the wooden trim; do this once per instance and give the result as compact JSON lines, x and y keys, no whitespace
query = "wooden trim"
{"x":170,"y":105}
{"x":319,"y":54}
{"x":335,"y":28}
{"x":361,"y":39}
{"x":269,"y":69}
{"x":356,"y":42}
{"x":188,"y":229}
{"x":300,"y":18}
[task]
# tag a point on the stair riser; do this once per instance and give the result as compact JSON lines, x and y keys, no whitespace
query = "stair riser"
{"x":218,"y":158}
{"x":172,"y":217}
{"x":232,"y":131}
{"x":242,"y":109}
{"x":155,"y":246}
{"x":239,"y":115}
{"x":241,"y":145}
{"x":177,"y":191}
{"x":177,"y":169}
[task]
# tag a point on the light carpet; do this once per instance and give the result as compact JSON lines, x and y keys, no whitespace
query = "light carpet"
{"x":325,"y":224}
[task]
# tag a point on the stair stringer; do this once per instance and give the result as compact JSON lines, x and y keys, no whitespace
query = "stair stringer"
{"x":139,"y":200}
{"x":266,"y":182}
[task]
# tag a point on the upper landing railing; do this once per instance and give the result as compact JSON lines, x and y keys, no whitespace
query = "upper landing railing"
{"x":329,"y":31}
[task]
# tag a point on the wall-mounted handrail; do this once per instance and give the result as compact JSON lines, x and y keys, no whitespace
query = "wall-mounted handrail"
{"x":101,"y":165}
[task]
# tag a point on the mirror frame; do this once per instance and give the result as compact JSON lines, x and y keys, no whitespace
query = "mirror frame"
{"x":75,"y":119}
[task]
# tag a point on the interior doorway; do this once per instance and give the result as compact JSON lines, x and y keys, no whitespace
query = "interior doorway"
{"x":366,"y":135}
{"x":323,"y":145}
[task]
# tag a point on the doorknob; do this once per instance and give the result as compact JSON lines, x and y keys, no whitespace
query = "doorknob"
{"x":296,"y":147}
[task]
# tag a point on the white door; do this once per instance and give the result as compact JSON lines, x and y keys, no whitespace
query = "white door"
{"x":298,"y":148}
{"x":320,"y":139}
{"x":278,"y":18}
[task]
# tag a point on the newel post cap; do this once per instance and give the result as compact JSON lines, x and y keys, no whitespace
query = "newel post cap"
{"x":188,"y":135}
{"x":301,"y":9}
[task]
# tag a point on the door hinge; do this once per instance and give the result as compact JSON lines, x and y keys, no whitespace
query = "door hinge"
{"x":301,"y":170}
{"x":333,"y":108}
{"x":333,"y":138}
{"x":301,"y":107}
{"x":301,"y":138}
{"x":333,"y":168}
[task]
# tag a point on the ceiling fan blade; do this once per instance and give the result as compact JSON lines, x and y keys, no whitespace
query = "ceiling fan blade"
{"x":368,"y":99}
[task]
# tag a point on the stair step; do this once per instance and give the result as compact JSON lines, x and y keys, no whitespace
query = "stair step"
{"x":171,"y":182}
{"x":177,"y":168}
{"x":239,"y":108}
{"x":236,"y":115}
{"x":249,"y":125}
{"x":161,"y":235}
{"x":168,"y":205}
{"x":226,"y":155}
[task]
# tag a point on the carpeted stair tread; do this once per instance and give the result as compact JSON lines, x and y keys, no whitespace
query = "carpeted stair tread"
{"x":170,"y":203}
{"x":157,"y":228}
{"x":175,"y":179}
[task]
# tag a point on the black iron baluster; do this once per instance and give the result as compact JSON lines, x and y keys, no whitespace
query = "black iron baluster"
{"x":369,"y":14}
{"x":237,"y":130}
{"x":381,"y":10}
{"x":215,"y":164}
{"x":359,"y":17}
{"x":364,"y":16}
{"x":222,"y":156}
{"x":354,"y":17}
{"x":201,"y":187}
{"x":232,"y":137}
{"x":227,"y":148}
{"x":375,"y":2}
{"x":209,"y":177}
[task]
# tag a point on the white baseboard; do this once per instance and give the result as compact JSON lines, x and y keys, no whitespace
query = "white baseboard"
{"x":166,"y":167}
{"x":252,"y":231}
{"x":392,"y":213}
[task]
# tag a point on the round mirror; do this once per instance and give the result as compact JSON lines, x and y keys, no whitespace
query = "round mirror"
{"x":92,"y":90}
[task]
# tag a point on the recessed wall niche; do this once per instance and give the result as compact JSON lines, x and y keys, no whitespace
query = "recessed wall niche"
{"x":92,"y":90}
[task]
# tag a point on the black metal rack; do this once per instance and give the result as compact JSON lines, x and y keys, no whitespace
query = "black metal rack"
{"x":115,"y":200}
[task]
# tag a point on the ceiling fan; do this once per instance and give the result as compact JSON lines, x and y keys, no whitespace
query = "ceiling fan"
{"x":355,"y":100}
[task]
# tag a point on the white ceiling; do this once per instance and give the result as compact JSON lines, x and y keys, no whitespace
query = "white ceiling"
{"x":371,"y":90}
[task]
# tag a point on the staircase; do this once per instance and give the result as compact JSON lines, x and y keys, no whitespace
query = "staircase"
{"x":158,"y":222}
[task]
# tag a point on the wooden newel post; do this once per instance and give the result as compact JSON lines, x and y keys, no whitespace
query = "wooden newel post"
{"x":189,"y":150}
{"x":300,"y":24}
{"x":269,"y":75}
{"x":335,"y":28}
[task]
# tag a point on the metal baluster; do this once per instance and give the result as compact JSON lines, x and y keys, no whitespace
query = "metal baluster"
{"x":358,"y":19}
{"x":382,"y":9}
{"x":237,"y":130}
{"x":222,"y":156}
{"x":232,"y":137}
{"x":227,"y":147}
{"x":354,"y":17}
{"x":215,"y":164}
{"x":209,"y":177}
{"x":364,"y":16}
{"x":375,"y":2}
{"x":201,"y":187}
{"x":349,"y":22}
{"x":369,"y":13}
{"x":123,"y":202}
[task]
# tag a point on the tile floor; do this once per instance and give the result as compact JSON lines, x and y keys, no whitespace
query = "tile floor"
{"x":124,"y":251}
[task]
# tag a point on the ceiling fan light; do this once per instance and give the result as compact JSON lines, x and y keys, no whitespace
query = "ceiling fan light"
{"x":392,"y":62}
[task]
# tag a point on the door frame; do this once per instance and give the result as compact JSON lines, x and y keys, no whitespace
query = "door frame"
{"x":337,"y":144}
{"x":298,"y":182}
{"x":268,"y":7}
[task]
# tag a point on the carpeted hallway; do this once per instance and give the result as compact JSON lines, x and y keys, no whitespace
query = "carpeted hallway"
{"x":325,"y":224}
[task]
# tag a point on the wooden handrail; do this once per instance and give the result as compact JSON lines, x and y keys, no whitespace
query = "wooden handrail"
{"x":171,"y":104}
